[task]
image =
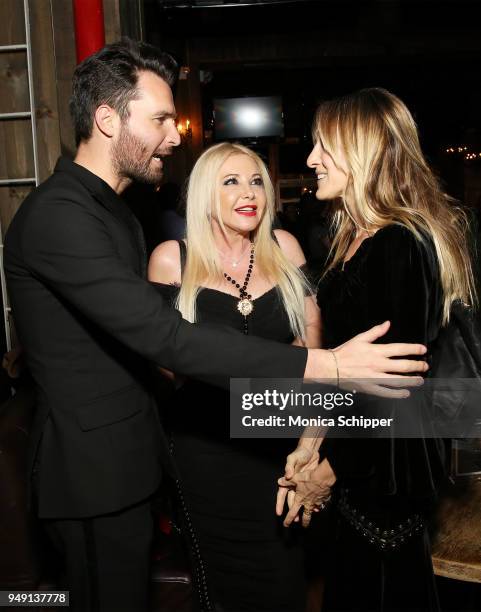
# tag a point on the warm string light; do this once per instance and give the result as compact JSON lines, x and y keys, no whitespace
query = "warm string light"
{"x":467,"y":155}
{"x":456,"y":149}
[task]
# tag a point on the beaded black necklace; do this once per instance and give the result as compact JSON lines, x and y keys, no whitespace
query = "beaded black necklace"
{"x":245,"y":305}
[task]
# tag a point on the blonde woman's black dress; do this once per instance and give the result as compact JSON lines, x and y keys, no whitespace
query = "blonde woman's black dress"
{"x":229,"y":486}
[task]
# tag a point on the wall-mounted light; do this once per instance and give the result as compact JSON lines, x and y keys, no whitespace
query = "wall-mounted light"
{"x":185,"y":130}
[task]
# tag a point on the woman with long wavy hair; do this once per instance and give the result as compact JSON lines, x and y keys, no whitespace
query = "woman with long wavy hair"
{"x":400,"y":252}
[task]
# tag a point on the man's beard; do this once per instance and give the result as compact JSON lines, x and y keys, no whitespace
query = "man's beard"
{"x":131,"y":159}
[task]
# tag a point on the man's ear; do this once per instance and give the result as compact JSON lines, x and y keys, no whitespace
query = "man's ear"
{"x":106,"y":119}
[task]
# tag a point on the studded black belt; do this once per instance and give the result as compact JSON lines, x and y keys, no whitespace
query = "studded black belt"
{"x":380,"y":537}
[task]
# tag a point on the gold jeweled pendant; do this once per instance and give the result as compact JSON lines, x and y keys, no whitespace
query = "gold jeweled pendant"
{"x":245,"y":307}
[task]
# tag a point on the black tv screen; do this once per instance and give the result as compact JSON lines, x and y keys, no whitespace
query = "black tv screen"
{"x":248,"y":117}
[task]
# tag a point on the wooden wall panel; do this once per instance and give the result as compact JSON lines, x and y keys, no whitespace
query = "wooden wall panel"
{"x":13,"y":82}
{"x":112,"y":20}
{"x":15,"y":135}
{"x":16,"y":146}
{"x":12,"y":27}
{"x":16,"y":159}
{"x":10,"y":200}
{"x":65,"y":62}
{"x":45,"y":87}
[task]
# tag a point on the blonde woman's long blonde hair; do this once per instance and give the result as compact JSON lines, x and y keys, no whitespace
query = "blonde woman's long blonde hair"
{"x":203,"y":261}
{"x":389,"y":181}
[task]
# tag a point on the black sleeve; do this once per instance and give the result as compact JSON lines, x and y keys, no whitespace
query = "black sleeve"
{"x":400,"y":284}
{"x":70,"y":250}
{"x":401,"y":281}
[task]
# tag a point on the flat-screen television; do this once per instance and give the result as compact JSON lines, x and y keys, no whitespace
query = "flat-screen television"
{"x":248,"y":117}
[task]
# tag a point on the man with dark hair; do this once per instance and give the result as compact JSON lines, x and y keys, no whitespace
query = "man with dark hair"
{"x":75,"y":261}
{"x":110,"y":77}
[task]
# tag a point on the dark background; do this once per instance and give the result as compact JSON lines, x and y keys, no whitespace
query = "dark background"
{"x":426,"y":52}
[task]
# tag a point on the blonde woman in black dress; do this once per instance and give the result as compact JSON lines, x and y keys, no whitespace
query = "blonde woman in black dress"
{"x":399,"y":253}
{"x":233,"y":270}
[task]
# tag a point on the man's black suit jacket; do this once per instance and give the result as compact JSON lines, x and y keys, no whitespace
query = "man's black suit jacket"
{"x":88,"y":321}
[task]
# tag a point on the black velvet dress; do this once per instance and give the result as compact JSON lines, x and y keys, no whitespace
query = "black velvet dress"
{"x":251,"y":561}
{"x":385,"y":488}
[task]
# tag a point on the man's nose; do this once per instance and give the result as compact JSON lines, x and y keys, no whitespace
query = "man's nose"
{"x":174,"y":136}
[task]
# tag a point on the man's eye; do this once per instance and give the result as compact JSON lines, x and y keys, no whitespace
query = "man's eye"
{"x":230,"y":181}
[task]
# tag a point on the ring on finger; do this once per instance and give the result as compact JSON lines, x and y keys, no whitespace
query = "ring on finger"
{"x":324,"y":503}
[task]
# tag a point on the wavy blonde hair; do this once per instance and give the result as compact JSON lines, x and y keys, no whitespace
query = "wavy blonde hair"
{"x":203,"y":262}
{"x":389,"y":181}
